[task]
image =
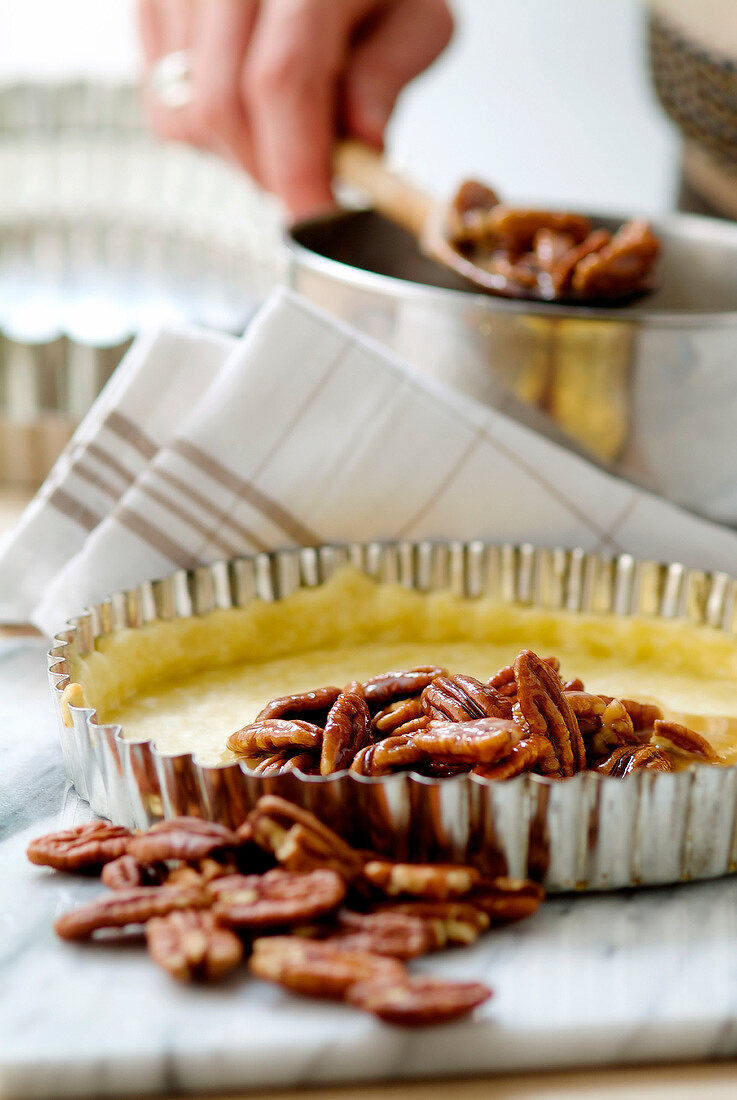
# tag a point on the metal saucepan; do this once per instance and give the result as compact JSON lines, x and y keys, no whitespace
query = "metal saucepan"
{"x":648,"y":390}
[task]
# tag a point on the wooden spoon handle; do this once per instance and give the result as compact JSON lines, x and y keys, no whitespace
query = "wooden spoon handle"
{"x":395,"y":198}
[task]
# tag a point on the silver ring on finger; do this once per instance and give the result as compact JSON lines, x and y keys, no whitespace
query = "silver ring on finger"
{"x":170,"y":80}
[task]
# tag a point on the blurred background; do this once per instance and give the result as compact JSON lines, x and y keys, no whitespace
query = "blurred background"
{"x":104,"y":232}
{"x":549,"y":99}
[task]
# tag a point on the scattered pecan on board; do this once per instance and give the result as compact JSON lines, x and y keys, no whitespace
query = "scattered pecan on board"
{"x":192,"y":946}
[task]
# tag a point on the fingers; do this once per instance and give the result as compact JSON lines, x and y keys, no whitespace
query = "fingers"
{"x":290,"y":83}
{"x":216,"y":33}
{"x":397,"y":46}
{"x":221,"y":34}
{"x":273,"y":80}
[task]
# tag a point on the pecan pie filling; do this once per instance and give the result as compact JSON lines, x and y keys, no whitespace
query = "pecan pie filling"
{"x":302,"y":684}
{"x":523,"y":718}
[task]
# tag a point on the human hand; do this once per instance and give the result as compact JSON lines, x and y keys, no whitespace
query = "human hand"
{"x":274,"y":81}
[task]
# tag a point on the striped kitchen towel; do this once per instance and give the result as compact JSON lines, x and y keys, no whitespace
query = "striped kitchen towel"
{"x":305,"y":432}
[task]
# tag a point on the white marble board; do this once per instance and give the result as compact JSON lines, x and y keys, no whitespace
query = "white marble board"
{"x":626,"y":977}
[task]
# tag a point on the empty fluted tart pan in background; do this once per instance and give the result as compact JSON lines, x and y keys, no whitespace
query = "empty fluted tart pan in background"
{"x":301,"y":606}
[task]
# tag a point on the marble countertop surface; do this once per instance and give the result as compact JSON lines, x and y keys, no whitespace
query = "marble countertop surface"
{"x":591,"y":980}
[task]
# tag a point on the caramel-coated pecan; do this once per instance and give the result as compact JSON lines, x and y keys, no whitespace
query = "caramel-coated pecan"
{"x":424,"y":880}
{"x":277,"y":899}
{"x":127,"y":871}
{"x":634,"y":758}
{"x":186,"y":838}
{"x":505,"y":900}
{"x":563,"y":267}
{"x":395,"y":753}
{"x":313,"y":705}
{"x":281,"y":763}
{"x":504,"y":681}
{"x":451,"y":922}
{"x":270,"y":735}
{"x":616,"y":730}
{"x":347,"y":731}
{"x":417,"y":1002}
{"x":398,"y":714}
{"x":620,"y":266}
{"x":473,"y":196}
{"x":317,"y":968}
{"x":382,"y":690}
{"x":133,"y":906}
{"x":685,"y":739}
{"x":273,"y":764}
{"x":299,"y":840}
{"x":522,"y":757}
{"x":191,"y":946}
{"x":516,"y":229}
{"x":84,"y":848}
{"x":463,"y":698}
{"x":643,"y":715}
{"x":480,"y":741}
{"x":546,"y":712}
{"x":588,"y":709}
{"x":550,"y":246}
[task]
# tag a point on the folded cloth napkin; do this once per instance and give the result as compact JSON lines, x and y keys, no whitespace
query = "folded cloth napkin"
{"x":305,"y":432}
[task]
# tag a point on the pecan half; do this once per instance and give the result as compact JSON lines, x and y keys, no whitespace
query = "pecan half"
{"x":643,"y":715}
{"x":633,"y":758}
{"x":395,"y":753}
{"x":84,"y":848}
{"x":316,"y":704}
{"x":505,"y":900}
{"x":522,"y":757}
{"x":685,"y":739}
{"x":505,"y":683}
{"x":546,"y":712}
{"x":385,"y":932}
{"x":451,"y":922}
{"x":191,"y":946}
{"x":277,"y":899}
{"x":273,"y":764}
{"x":425,"y":880}
{"x":480,"y":741}
{"x":463,"y":698}
{"x":127,"y":871}
{"x":186,"y":838}
{"x":398,"y":714}
{"x":472,"y":196}
{"x":563,"y":267}
{"x":620,"y":266}
{"x":121,"y":907}
{"x":588,"y":709}
{"x":616,"y":730}
{"x":382,"y":690}
{"x":200,"y":873}
{"x":299,"y":840}
{"x":347,"y":730}
{"x":516,"y":228}
{"x":317,"y":968}
{"x":271,"y":735}
{"x":417,"y":1002}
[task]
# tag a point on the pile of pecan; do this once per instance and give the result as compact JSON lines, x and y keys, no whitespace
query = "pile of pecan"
{"x":312,"y":913}
{"x":524,"y":718}
{"x":550,"y":255}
